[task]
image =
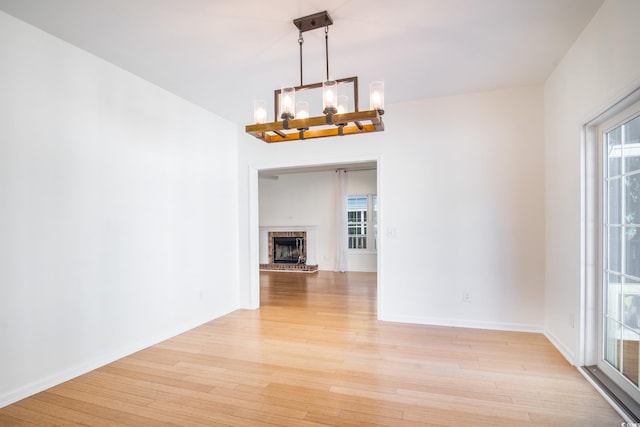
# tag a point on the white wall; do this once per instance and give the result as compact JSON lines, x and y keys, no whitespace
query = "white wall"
{"x":461,"y":207}
{"x":301,"y":200}
{"x":602,"y":66}
{"x":112,"y":235}
{"x":308,"y":199}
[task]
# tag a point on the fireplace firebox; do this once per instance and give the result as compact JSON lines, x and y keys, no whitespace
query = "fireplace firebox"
{"x":289,"y":250}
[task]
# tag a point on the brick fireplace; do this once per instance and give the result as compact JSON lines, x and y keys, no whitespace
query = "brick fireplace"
{"x":288,"y":252}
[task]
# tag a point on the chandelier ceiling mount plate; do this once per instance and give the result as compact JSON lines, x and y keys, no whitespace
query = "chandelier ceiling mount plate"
{"x":313,"y":22}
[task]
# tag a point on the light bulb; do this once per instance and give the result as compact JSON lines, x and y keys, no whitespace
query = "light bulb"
{"x":287,"y":102}
{"x":343,"y":104}
{"x":376,"y":96}
{"x":302,"y":110}
{"x":259,"y":111}
{"x":329,"y":97}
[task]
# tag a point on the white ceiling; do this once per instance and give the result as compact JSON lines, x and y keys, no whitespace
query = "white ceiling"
{"x":222,"y":54}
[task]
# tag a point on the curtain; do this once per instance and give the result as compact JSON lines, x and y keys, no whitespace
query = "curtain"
{"x":341,"y":239}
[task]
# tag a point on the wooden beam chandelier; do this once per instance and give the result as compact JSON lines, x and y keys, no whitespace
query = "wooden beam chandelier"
{"x":295,"y":123}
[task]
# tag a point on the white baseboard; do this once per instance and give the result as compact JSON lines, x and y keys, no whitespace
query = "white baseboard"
{"x":462,"y":323}
{"x":566,"y":353}
{"x":90,"y":365}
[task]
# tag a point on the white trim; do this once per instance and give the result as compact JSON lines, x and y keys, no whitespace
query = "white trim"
{"x":458,"y":323}
{"x":618,"y":103}
{"x":254,"y":220}
{"x":589,"y":250}
{"x":590,"y":212}
{"x":564,"y":350}
{"x":254,"y":241}
{"x":380,"y":242}
{"x":591,"y":238}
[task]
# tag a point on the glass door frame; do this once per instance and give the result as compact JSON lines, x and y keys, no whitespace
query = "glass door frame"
{"x":615,"y":373}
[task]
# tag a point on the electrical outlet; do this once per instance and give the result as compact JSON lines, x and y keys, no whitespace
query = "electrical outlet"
{"x":466,"y":296}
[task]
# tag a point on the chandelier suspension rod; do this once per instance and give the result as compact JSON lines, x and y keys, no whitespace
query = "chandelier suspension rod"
{"x":326,"y":48}
{"x":300,"y":42}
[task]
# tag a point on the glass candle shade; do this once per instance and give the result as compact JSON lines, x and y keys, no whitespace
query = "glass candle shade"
{"x":343,"y":104}
{"x":329,"y":97}
{"x":302,"y":110}
{"x":376,"y":96}
{"x":287,"y":103}
{"x":259,"y":111}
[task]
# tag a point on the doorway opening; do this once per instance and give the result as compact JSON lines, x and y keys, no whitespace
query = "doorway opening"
{"x":300,"y":200}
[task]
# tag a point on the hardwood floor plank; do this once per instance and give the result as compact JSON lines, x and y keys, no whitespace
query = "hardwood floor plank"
{"x":17,"y":416}
{"x":339,"y":421}
{"x":46,"y":413}
{"x":114,"y":403}
{"x":315,"y":355}
{"x":312,"y":398}
{"x":210,"y":415}
{"x":377,"y":419}
{"x":453,"y":418}
{"x":261,"y":394}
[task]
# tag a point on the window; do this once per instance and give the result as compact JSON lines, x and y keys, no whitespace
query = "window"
{"x":362,"y":221}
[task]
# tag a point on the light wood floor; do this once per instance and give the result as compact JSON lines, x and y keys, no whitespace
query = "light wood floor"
{"x":314,"y":355}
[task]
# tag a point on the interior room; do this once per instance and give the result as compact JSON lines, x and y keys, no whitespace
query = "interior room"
{"x":137,"y":206}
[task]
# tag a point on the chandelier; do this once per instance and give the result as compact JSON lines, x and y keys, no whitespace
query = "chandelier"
{"x":291,"y":118}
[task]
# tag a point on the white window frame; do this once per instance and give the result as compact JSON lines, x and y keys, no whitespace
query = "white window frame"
{"x":370,"y":225}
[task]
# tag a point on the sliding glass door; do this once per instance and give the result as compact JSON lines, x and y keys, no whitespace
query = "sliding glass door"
{"x":620,"y":190}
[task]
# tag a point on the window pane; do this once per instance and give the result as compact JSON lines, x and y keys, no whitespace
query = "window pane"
{"x":357,"y":242}
{"x":613,"y":252}
{"x":632,"y":145}
{"x":613,"y":307}
{"x":357,"y":203}
{"x":632,"y":251}
{"x":631,"y":304}
{"x":614,"y":213}
{"x":612,"y":343}
{"x":632,"y":164}
{"x":630,"y":356}
{"x":614,"y":151}
{"x":632,"y":199}
{"x":614,"y":285}
{"x":357,"y":221}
